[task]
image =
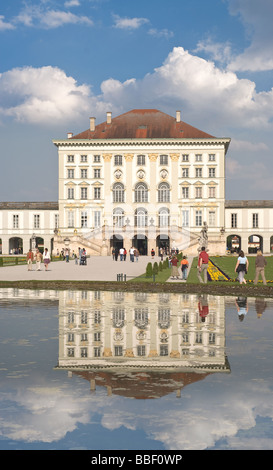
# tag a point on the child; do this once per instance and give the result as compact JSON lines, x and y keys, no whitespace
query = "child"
{"x":184,"y":267}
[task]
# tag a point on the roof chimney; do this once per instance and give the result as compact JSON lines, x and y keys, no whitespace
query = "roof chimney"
{"x":69,"y":135}
{"x":178,"y":116}
{"x":109,"y":117}
{"x":92,"y":124}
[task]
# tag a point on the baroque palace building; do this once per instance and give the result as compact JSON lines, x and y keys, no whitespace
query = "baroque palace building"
{"x":144,"y":179}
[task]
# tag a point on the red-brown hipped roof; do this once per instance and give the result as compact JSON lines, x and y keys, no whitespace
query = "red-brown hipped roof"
{"x":143,"y":124}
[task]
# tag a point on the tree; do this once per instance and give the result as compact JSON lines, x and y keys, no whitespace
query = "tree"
{"x":149,"y":270}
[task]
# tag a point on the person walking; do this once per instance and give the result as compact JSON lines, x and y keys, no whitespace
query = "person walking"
{"x":29,"y":260}
{"x":46,"y":258}
{"x":260,"y":264}
{"x":184,"y":268}
{"x":202,"y":266}
{"x":174,"y":263}
{"x":132,"y":254}
{"x":152,"y":253}
{"x":121,"y":253}
{"x":241,"y":267}
{"x":39,"y":258}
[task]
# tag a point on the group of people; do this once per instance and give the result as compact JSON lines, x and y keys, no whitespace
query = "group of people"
{"x":184,"y":265}
{"x":242,"y":264}
{"x":121,"y":253}
{"x":39,"y":258}
{"x":241,"y":267}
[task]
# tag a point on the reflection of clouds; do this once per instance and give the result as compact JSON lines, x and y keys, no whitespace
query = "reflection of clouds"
{"x":47,"y":414}
{"x":190,"y":424}
{"x":43,"y":414}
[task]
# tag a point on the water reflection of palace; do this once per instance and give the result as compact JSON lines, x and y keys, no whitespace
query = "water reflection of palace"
{"x":138,"y":344}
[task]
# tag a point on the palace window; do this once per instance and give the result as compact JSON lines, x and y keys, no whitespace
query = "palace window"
{"x":118,"y":217}
{"x":83,"y":193}
{"x":141,"y":193}
{"x":118,"y":192}
{"x":97,"y":193}
{"x":97,"y":219}
{"x":185,"y":172}
{"x":97,"y":352}
{"x":15,"y":221}
{"x":96,"y":159}
{"x":70,"y":352}
{"x":163,"y":350}
{"x":141,"y":350}
{"x":70,"y":158}
{"x":164,"y":217}
{"x":118,"y":317}
{"x":84,"y":317}
{"x":118,"y":160}
{"x":141,"y":217}
{"x":70,"y":219}
{"x":255,"y":220}
{"x":198,"y":192}
{"x":141,"y":317}
{"x":185,"y":158}
{"x":70,"y":193}
{"x":83,"y":158}
{"x":56,"y":220}
{"x":118,"y":351}
{"x":211,"y":157}
{"x":198,"y":218}
{"x":97,"y":336}
{"x":163,"y":159}
{"x":36,"y":222}
{"x":198,"y":172}
{"x":84,"y":219}
{"x":83,"y":173}
{"x":70,"y":173}
{"x":97,"y":317}
{"x":198,"y":158}
{"x":185,"y":192}
{"x":97,"y":173}
{"x":212,"y":191}
{"x":212,"y":218}
{"x":198,"y":338}
{"x":140,"y":160}
{"x":83,"y":352}
{"x":233,"y":220}
{"x":164,"y":192}
{"x":185,"y":218}
{"x":212,"y":172}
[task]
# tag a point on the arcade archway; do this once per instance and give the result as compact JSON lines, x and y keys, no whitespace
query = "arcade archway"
{"x":140,"y":241}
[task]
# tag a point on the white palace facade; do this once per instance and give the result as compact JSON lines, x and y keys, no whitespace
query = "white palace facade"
{"x":144,"y":179}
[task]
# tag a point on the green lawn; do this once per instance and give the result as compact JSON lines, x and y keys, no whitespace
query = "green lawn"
{"x":225,"y":263}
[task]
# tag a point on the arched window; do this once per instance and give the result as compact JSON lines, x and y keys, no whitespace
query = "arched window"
{"x":141,"y":193}
{"x":164,"y":192}
{"x":118,"y":217}
{"x":141,"y":217}
{"x":118,"y":192}
{"x":164,"y":217}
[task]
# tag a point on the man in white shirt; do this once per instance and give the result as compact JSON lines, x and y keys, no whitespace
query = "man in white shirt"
{"x":132,"y":254}
{"x":121,"y":253}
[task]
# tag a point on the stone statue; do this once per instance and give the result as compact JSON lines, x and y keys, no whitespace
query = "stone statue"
{"x":203,"y":240}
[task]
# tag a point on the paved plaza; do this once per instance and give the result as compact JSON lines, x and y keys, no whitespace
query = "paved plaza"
{"x":98,"y":268}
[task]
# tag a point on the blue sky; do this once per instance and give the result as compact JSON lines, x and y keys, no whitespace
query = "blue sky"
{"x":64,"y":61}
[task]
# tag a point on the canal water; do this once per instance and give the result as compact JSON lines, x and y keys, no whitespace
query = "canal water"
{"x":105,"y":370}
